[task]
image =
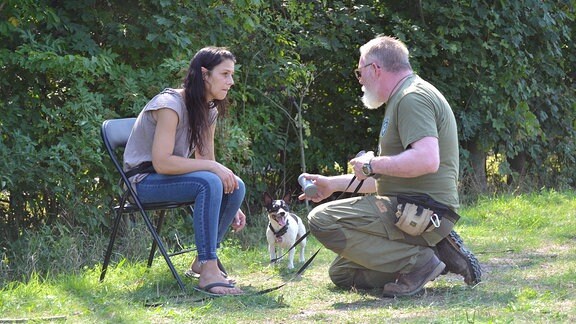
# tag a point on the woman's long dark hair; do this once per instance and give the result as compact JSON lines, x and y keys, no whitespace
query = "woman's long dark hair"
{"x":195,"y":92}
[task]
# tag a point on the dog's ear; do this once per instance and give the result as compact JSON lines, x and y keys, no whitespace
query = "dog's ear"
{"x":267,"y":199}
{"x":287,"y":197}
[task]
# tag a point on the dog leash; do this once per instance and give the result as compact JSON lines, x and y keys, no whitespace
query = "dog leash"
{"x":298,"y":273}
{"x":308,"y":232}
{"x":293,"y":246}
{"x":268,"y":290}
{"x":209,"y":296}
{"x":304,"y":266}
{"x":360,"y":183}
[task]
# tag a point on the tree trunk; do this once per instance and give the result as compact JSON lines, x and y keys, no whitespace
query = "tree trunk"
{"x":477,"y":180}
{"x":518,"y":167}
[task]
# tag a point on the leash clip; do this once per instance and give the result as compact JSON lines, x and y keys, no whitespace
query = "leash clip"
{"x":435,"y":220}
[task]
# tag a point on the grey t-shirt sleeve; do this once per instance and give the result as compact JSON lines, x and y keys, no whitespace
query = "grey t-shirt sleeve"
{"x":139,"y":146}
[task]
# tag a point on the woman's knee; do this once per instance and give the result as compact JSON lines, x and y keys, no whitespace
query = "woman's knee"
{"x":204,"y":177}
{"x":210,"y":182}
{"x":241,"y":186}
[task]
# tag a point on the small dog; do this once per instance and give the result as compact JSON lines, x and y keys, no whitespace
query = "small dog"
{"x":284,"y":228}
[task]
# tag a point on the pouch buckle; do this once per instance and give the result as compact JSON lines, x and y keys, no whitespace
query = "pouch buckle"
{"x":435,"y":220}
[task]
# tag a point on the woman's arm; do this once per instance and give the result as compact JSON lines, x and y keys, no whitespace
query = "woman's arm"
{"x":163,"y":159}
{"x":208,"y":140}
{"x":167,"y":163}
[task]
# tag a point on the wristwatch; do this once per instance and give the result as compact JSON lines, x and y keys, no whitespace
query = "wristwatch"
{"x":367,"y":169}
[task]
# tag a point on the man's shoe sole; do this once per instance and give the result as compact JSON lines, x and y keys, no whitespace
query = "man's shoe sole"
{"x":473,"y":274}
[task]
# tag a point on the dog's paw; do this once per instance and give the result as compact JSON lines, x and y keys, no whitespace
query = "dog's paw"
{"x":274,"y":262}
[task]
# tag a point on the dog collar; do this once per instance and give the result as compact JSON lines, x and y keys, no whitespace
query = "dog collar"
{"x":281,"y":231}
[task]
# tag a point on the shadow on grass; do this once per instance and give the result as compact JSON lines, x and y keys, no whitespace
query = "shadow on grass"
{"x":164,"y":291}
{"x":507,"y":278}
{"x":443,"y":296}
{"x":126,"y":292}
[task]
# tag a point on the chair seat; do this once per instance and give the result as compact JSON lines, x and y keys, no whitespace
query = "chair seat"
{"x":129,"y":207}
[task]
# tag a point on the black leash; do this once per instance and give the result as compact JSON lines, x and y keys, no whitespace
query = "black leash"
{"x":267,"y":290}
{"x":360,"y":183}
{"x":298,"y":273}
{"x":308,"y":232}
{"x":293,"y":246}
{"x":257,"y":293}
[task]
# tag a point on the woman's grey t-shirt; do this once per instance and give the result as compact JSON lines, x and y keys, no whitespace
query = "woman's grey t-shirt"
{"x":139,"y":146}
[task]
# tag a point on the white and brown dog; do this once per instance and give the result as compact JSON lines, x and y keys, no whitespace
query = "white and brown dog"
{"x":284,"y":228}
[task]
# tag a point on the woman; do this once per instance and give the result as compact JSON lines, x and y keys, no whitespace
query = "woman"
{"x":171,"y":126}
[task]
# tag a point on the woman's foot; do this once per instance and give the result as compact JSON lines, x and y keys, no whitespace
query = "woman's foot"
{"x":213,"y":281}
{"x":194,"y":271}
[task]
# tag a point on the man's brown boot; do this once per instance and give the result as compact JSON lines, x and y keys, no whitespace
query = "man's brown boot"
{"x":411,"y":283}
{"x":458,"y":259}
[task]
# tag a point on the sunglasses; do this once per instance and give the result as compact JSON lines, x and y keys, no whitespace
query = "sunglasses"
{"x":358,"y":71}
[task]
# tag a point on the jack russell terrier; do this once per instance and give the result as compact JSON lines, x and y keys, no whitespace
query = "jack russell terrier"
{"x":284,"y":228}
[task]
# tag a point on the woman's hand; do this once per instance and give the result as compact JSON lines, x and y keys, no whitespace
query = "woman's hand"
{"x":229,"y":180}
{"x":239,"y":221}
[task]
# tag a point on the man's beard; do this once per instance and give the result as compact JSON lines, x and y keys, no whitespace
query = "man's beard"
{"x":369,"y":99}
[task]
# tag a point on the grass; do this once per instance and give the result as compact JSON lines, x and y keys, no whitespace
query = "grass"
{"x":526,"y":245}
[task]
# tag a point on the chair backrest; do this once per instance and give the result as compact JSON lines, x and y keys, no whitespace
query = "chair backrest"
{"x":115,"y":132}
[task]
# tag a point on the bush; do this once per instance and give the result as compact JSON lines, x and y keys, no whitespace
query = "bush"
{"x":508,"y":72}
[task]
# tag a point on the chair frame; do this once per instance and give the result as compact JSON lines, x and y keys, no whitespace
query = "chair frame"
{"x":121,"y":131}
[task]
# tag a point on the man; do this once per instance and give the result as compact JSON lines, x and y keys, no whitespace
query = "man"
{"x":417,"y":154}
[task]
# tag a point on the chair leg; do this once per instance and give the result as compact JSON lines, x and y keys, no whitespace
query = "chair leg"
{"x":188,"y":218}
{"x":159,"y":224}
{"x":162,"y":250}
{"x":110,"y":245}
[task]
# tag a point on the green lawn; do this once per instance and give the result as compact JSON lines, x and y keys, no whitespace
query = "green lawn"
{"x":526,"y":245}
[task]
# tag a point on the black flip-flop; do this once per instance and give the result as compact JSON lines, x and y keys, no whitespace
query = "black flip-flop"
{"x":206,"y":289}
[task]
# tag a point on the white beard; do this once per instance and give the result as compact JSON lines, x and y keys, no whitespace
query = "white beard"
{"x":369,"y":99}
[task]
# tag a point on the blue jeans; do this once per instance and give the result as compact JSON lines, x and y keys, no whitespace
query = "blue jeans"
{"x":214,"y":211}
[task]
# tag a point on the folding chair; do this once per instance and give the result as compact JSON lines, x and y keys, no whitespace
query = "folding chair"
{"x":115,"y":133}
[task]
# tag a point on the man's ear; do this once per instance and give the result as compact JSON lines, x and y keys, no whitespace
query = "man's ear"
{"x":378,"y":70}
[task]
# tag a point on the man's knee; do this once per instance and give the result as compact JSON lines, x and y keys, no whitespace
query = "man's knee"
{"x":333,"y":239}
{"x":342,"y":279}
{"x":317,"y":216}
{"x":359,"y":278}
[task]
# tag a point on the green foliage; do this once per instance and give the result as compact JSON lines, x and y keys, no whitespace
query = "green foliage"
{"x":506,"y":68}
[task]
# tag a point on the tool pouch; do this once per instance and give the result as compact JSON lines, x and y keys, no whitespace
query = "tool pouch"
{"x":420,"y":213}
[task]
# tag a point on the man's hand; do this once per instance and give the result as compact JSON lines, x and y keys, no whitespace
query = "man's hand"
{"x":323,"y":186}
{"x":358,"y":162}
